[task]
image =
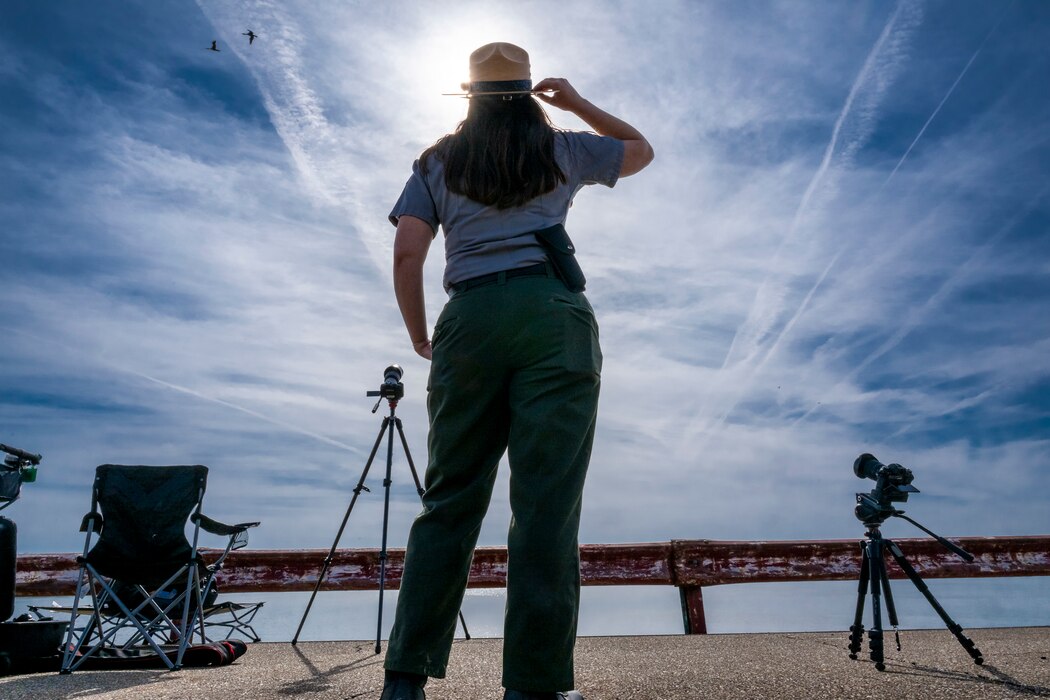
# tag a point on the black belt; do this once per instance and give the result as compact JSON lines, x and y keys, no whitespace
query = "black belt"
{"x":537,"y":270}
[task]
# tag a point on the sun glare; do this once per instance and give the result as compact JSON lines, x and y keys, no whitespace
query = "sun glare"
{"x":440,"y":60}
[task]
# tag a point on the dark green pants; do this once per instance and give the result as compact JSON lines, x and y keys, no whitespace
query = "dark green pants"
{"x":516,"y":369}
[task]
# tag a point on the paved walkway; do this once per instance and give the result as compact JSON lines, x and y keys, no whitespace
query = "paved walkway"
{"x":805,"y":665}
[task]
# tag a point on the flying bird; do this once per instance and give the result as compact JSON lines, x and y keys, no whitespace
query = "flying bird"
{"x":213,"y":47}
{"x":251,"y":36}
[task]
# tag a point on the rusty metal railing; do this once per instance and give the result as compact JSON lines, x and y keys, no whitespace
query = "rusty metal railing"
{"x":689,"y":565}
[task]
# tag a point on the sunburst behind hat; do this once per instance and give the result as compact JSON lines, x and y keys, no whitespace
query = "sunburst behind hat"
{"x":499,"y":68}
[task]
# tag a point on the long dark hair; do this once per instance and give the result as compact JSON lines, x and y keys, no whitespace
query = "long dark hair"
{"x":501,"y":155}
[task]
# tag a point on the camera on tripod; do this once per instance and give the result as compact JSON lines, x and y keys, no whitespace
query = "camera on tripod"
{"x":892,"y":485}
{"x":391,"y":388}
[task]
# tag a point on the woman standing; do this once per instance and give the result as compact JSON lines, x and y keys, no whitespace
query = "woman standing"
{"x":516,"y":369}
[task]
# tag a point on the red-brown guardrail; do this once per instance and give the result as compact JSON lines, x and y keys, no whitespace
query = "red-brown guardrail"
{"x":690,"y":565}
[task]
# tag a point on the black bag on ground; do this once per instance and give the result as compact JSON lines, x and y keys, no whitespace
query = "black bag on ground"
{"x":8,"y":557}
{"x":562,"y":255}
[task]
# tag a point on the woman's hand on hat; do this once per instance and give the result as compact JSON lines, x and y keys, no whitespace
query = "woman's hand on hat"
{"x":564,"y":95}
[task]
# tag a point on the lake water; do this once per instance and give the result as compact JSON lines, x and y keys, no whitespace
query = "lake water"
{"x":655,"y":610}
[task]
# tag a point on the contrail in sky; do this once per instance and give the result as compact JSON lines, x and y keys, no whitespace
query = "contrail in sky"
{"x":851,"y":130}
{"x":937,"y":298}
{"x":798,"y":312}
{"x":960,"y":405}
{"x":242,"y":409}
{"x":323,"y":155}
{"x":946,"y":96}
{"x":855,"y":121}
{"x":776,"y":343}
{"x":895,"y":340}
{"x":875,"y":62}
{"x":192,"y":392}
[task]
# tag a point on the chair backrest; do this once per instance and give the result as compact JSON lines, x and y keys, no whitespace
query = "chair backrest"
{"x":144,"y":513}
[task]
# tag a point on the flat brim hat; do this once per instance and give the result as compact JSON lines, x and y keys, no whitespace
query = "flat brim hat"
{"x":498,"y":68}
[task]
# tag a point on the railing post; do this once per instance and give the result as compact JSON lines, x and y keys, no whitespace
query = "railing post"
{"x":693,"y":609}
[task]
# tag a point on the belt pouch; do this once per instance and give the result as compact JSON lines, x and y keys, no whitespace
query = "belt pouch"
{"x":562,"y":255}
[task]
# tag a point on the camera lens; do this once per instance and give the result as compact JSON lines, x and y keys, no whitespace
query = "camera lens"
{"x":867,"y":467}
{"x":392,"y":374}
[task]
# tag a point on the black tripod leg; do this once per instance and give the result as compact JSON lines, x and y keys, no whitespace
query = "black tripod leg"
{"x":386,"y":520}
{"x":420,"y":491}
{"x":876,"y":565}
{"x":891,"y":609}
{"x":856,"y":631}
{"x":952,"y":626}
{"x":408,"y":456}
{"x":328,"y":560}
{"x":463,"y":621}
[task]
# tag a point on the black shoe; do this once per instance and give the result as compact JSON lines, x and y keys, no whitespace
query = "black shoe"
{"x":403,"y":686}
{"x":522,"y":695}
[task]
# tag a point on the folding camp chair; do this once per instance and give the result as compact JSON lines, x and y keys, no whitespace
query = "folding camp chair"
{"x":146,"y":582}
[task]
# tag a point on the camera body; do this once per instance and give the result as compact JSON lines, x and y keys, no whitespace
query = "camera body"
{"x":892,"y":485}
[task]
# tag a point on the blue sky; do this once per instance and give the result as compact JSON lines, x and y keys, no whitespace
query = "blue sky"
{"x":841,"y":248}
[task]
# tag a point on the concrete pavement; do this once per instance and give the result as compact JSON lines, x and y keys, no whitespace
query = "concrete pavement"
{"x":931,"y":665}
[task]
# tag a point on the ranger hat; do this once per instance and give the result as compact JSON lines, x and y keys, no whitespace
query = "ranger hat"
{"x":498,"y":68}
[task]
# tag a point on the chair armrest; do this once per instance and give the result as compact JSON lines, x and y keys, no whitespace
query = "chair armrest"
{"x":95,"y":518}
{"x":217,"y":528}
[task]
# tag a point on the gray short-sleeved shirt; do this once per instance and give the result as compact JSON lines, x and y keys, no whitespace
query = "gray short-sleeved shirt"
{"x":481,"y":239}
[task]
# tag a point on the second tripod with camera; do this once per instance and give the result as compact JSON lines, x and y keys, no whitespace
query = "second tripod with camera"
{"x":393,"y":391}
{"x":893,"y":484}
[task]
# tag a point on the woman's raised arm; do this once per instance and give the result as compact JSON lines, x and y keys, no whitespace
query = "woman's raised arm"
{"x":637,"y":153}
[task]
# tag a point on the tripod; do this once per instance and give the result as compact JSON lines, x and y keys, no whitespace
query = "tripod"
{"x":392,"y":390}
{"x":873,"y":572}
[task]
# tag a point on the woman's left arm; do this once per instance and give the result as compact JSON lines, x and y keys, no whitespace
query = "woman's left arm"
{"x":637,"y":153}
{"x":411,"y":244}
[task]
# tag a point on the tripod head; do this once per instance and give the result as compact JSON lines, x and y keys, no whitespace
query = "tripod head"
{"x":391,"y":389}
